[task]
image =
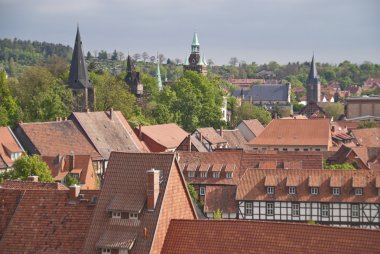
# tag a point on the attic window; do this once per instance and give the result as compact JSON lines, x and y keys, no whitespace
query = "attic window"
{"x":270,"y":190}
{"x":215,"y":174}
{"x":292,"y":190}
{"x":203,"y":174}
{"x":358,"y":191}
{"x":191,"y":174}
{"x":106,"y":250}
{"x":336,"y":191}
{"x":229,"y":175}
{"x":133,"y":216}
{"x":314,"y":191}
{"x":116,"y":215}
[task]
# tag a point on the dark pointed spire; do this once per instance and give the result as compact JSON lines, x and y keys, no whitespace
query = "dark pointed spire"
{"x":78,"y":77}
{"x":313,"y":70}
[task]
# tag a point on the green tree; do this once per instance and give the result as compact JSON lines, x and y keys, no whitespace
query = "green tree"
{"x":345,"y":166}
{"x":69,"y":180}
{"x":248,"y":111}
{"x":367,"y":124}
{"x":114,"y":55}
{"x":193,"y":193}
{"x":334,"y":110}
{"x":9,"y":110}
{"x":26,"y":166}
{"x":217,"y":214}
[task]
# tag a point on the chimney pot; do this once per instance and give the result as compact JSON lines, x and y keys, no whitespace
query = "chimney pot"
{"x":74,"y":191}
{"x":153,"y":188}
{"x":111,"y":113}
{"x":33,"y":178}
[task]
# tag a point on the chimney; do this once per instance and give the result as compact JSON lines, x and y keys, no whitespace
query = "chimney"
{"x":333,"y":128}
{"x":71,"y":161}
{"x":153,"y":188}
{"x":74,"y":191}
{"x":189,"y":137}
{"x":140,"y":132}
{"x":57,"y":119}
{"x":111,"y":113}
{"x":33,"y":178}
{"x":221,"y":131}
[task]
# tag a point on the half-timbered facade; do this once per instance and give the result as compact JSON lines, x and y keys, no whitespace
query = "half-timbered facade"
{"x":334,"y":197}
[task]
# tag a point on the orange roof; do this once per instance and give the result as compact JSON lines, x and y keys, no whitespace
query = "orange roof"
{"x":245,"y":236}
{"x":29,"y":185}
{"x":211,"y":135}
{"x":367,"y":137}
{"x":254,"y":126}
{"x":8,"y":142}
{"x":168,"y":135}
{"x":296,"y":132}
{"x":220,"y":197}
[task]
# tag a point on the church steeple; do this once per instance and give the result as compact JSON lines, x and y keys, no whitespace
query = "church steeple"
{"x":79,"y":82}
{"x":78,"y":77}
{"x":133,"y":79}
{"x":195,"y":62}
{"x":158,"y":74}
{"x":313,"y":85}
{"x":195,"y":45}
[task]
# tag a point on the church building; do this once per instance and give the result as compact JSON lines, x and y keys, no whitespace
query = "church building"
{"x":133,"y":79}
{"x":313,"y":84}
{"x":79,"y":82}
{"x":195,"y":62}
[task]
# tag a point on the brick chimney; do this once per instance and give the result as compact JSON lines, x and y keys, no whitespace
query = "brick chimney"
{"x":221,"y":131}
{"x":71,"y":161}
{"x":140,"y":132}
{"x":74,"y":191}
{"x":152,"y":188}
{"x":33,"y":178}
{"x":111,"y":113}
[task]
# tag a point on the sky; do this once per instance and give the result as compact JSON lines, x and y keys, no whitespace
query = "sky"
{"x":251,"y":30}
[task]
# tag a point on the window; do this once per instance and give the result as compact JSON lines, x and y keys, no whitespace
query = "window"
{"x":292,"y":190}
{"x":248,"y":208}
{"x":215,"y":174}
{"x":270,"y":208}
{"x":317,"y":149}
{"x":296,"y":149}
{"x":202,"y":190}
{"x":358,"y":191}
{"x":276,"y":149}
{"x":116,"y":215}
{"x":284,"y":149}
{"x":314,"y":191}
{"x":106,"y":250}
{"x":305,"y":149}
{"x":229,"y":175}
{"x":203,"y":174}
{"x":336,"y":191}
{"x":190,"y":173}
{"x":325,"y":210}
{"x":133,"y":216}
{"x":295,"y":209}
{"x":355,"y":211}
{"x":270,"y":190}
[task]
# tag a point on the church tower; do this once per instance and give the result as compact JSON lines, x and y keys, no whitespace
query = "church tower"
{"x":313,"y":85}
{"x":133,"y":79}
{"x":158,"y":75}
{"x":195,"y":62}
{"x":83,"y":90}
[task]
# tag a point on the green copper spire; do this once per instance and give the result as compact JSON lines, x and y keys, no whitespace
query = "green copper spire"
{"x":195,"y":40}
{"x":158,"y":74}
{"x":186,"y":62}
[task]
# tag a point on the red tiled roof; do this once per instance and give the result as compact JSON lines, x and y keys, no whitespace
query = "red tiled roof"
{"x":252,"y":187}
{"x":244,"y":236}
{"x":8,"y":142}
{"x":108,"y":133}
{"x":52,"y":138}
{"x":46,"y":222}
{"x":29,"y":185}
{"x":367,"y":137}
{"x":125,"y":180}
{"x":234,"y":139}
{"x":9,"y":199}
{"x":254,"y":126}
{"x":168,"y":135}
{"x":211,"y":135}
{"x":279,"y":132}
{"x":220,"y":197}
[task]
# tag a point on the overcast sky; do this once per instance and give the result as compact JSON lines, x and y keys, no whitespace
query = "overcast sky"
{"x":252,"y":30}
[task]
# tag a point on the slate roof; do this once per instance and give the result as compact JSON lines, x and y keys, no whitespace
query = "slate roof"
{"x":29,"y":185}
{"x":8,"y":142}
{"x":46,"y":222}
{"x":252,"y":185}
{"x":108,"y":132}
{"x":244,"y":236}
{"x":52,"y":138}
{"x":220,"y":197}
{"x":367,"y":137}
{"x":295,"y":132}
{"x":168,"y":135}
{"x":125,"y":180}
{"x":265,"y":92}
{"x":196,"y":145}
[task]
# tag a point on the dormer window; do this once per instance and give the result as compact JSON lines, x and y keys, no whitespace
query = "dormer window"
{"x":229,"y":175}
{"x":191,"y":174}
{"x":116,"y":215}
{"x":133,"y":216}
{"x":314,"y":191}
{"x":203,"y":174}
{"x":336,"y":191}
{"x":215,"y":174}
{"x":292,"y":190}
{"x":270,"y":190}
{"x":202,"y":190}
{"x":358,"y":191}
{"x":106,"y":250}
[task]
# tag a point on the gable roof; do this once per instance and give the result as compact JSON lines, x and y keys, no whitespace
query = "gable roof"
{"x":52,"y":138}
{"x":296,"y":132}
{"x":108,"y":131}
{"x":220,"y":197}
{"x":252,"y":185}
{"x":234,"y":139}
{"x":47,"y":221}
{"x":244,"y":236}
{"x":124,"y":187}
{"x":196,"y":145}
{"x":254,"y":126}
{"x":29,"y":185}
{"x":369,"y":137}
{"x":168,"y":135}
{"x":8,"y":144}
{"x":211,"y":135}
{"x":265,"y":92}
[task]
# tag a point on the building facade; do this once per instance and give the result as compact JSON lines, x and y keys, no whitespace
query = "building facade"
{"x":362,"y":106}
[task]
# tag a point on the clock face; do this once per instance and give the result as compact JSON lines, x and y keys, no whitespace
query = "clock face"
{"x":193,"y":61}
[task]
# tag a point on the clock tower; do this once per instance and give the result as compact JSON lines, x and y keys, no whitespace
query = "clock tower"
{"x":195,"y":62}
